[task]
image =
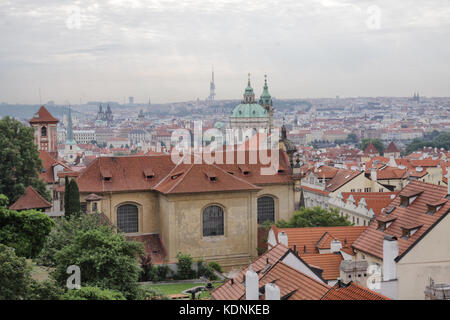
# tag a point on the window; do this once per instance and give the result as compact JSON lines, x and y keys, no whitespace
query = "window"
{"x":94,"y":207}
{"x":367,"y":189}
{"x":213,"y":221}
{"x":44,"y":131}
{"x":127,"y":218}
{"x":266,"y":209}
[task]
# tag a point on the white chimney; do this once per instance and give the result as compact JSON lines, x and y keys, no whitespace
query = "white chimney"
{"x":392,"y":162}
{"x":251,"y":285}
{"x":283,"y":238}
{"x":272,"y":291}
{"x":335,"y":246}
{"x":373,"y":174}
{"x":390,"y":252}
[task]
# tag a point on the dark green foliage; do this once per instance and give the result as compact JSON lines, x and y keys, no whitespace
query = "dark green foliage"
{"x":20,"y":164}
{"x":148,"y":293}
{"x":204,"y":270}
{"x":435,"y":140}
{"x":314,"y":217}
{"x":25,"y":231}
{"x":73,"y":206}
{"x":106,"y":260}
{"x":63,"y":234}
{"x":351,"y":138}
{"x":147,"y":272}
{"x":215,"y":266}
{"x":46,"y":290}
{"x":162,"y":272}
{"x":92,"y":293}
{"x":14,"y":275}
{"x":184,"y":265}
{"x":378,"y":144}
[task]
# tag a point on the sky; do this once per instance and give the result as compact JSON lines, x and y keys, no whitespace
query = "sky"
{"x":89,"y":50}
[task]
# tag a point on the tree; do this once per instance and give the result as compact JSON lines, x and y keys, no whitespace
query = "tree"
{"x":106,"y":260}
{"x":378,"y":144}
{"x":434,"y":139}
{"x":25,"y":231}
{"x":93,"y":293}
{"x":72,"y":206}
{"x":15,"y":275}
{"x":184,"y":265}
{"x":352,"y":138}
{"x":314,"y":217}
{"x":66,"y":192}
{"x":64,"y":232}
{"x":20,"y":164}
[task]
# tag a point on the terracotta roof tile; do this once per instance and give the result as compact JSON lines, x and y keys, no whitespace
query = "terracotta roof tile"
{"x":371,"y":241}
{"x":43,"y":116}
{"x":391,"y":148}
{"x":307,"y":238}
{"x":31,"y":199}
{"x":374,"y":200}
{"x":329,"y":262}
{"x":352,"y":291}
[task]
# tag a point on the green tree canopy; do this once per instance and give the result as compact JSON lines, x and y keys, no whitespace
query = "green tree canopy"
{"x":25,"y":231}
{"x":376,"y":142}
{"x":14,"y":275}
{"x":434,"y":139}
{"x":64,"y":233}
{"x":19,"y":160}
{"x":314,"y":217}
{"x":106,"y":260}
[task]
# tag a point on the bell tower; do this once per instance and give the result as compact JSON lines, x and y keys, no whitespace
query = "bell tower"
{"x":45,"y":134}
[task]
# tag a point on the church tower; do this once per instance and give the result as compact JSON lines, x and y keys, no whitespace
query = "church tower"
{"x":212,"y":88}
{"x":266,"y":101}
{"x":45,"y":134}
{"x":70,"y":148}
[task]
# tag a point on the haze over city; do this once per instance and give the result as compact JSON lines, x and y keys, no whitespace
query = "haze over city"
{"x":79,"y":51}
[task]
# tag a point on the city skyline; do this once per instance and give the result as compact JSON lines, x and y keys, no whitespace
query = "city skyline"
{"x":92,"y":50}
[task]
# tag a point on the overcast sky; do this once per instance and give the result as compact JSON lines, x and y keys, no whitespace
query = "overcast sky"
{"x":112,"y":49}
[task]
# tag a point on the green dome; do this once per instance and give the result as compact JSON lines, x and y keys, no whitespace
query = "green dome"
{"x":249,"y":110}
{"x":218,"y":125}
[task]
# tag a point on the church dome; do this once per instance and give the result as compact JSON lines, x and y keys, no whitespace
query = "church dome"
{"x":249,"y":110}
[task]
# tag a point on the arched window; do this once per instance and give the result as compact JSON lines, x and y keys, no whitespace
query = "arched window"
{"x":213,"y":221}
{"x":266,"y":209}
{"x":127,"y":218}
{"x":44,"y":131}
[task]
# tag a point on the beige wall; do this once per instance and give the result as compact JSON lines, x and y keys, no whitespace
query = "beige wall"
{"x":429,"y":258}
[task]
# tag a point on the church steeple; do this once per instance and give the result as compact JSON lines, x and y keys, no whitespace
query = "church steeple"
{"x":266,"y":99}
{"x":69,"y":136}
{"x":249,"y":95}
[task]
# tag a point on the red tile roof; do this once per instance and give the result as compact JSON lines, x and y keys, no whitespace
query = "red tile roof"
{"x":371,"y":241}
{"x":128,"y":174}
{"x":392,"y":148}
{"x":31,"y":199}
{"x":370,"y":149}
{"x":341,"y":178}
{"x":43,"y":116}
{"x":309,"y":237}
{"x":374,"y":200}
{"x":329,"y":262}
{"x":352,"y":291}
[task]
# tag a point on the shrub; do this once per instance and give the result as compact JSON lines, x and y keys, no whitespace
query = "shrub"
{"x":215,"y":266}
{"x":162,"y":272}
{"x":106,"y":260}
{"x":46,"y":290}
{"x":184,"y":265}
{"x":204,"y":270}
{"x":25,"y":231}
{"x":148,"y":293}
{"x":14,"y":275}
{"x":93,"y":293}
{"x":63,"y":234}
{"x":147,"y":272}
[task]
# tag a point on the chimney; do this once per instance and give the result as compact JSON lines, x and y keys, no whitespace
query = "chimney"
{"x":283,"y":238}
{"x":251,"y":285}
{"x":272,"y":291}
{"x":390,"y":252}
{"x":335,"y":246}
{"x":373,"y":174}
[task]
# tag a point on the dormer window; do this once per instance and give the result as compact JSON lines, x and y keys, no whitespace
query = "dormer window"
{"x":148,"y":173}
{"x":176,"y":175}
{"x":408,"y":198}
{"x":211,"y":176}
{"x":435,"y":207}
{"x":408,"y":231}
{"x":390,"y":209}
{"x":384,"y":223}
{"x":245,"y":170}
{"x":106,"y":174}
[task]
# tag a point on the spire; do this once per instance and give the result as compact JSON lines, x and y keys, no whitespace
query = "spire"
{"x":249,"y":95}
{"x":69,"y":136}
{"x":266,"y":99}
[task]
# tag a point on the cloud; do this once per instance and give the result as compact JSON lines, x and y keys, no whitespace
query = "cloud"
{"x":165,"y":49}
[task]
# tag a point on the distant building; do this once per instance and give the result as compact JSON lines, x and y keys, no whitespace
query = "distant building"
{"x":106,"y":116}
{"x":45,"y":132}
{"x":212,"y":88}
